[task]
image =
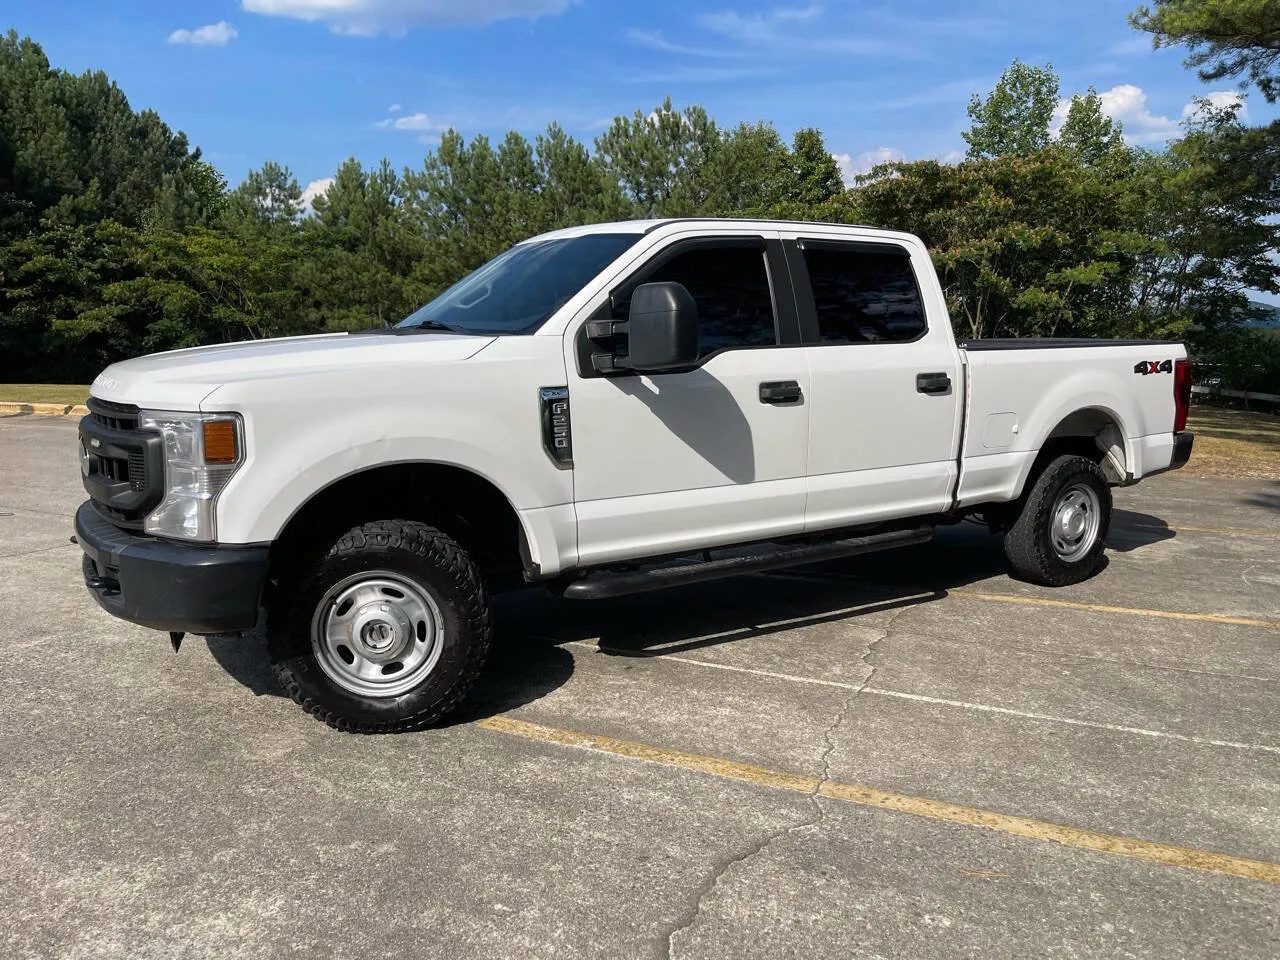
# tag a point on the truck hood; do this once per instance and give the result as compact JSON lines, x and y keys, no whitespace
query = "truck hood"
{"x":181,"y":379}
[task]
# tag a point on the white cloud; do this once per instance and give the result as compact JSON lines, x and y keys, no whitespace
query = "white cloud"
{"x":951,"y":157}
{"x":852,"y":166}
{"x":371,"y":17}
{"x":315,"y":188}
{"x":845,"y":162}
{"x":413,"y":121}
{"x":654,"y":40}
{"x":1219,"y":99}
{"x":394,"y":108}
{"x":213,"y":35}
{"x":1059,"y":117}
{"x":757,"y":27}
{"x":1126,"y":103}
{"x":798,"y":31}
{"x":410,"y":121}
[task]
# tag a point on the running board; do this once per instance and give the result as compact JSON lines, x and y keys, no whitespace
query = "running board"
{"x":603,"y":585}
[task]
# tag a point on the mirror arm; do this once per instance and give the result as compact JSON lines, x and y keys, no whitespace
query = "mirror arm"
{"x":606,"y":362}
{"x":604,"y":329}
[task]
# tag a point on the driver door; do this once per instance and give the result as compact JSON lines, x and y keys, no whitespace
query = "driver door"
{"x":666,"y":463}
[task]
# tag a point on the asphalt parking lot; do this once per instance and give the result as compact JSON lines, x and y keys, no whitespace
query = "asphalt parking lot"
{"x":908,"y":755}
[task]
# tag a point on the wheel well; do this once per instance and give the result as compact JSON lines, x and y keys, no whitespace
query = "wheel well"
{"x":1091,"y":433}
{"x":462,"y":504}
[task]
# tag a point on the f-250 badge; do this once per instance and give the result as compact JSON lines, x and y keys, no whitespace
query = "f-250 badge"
{"x":1146,"y":367}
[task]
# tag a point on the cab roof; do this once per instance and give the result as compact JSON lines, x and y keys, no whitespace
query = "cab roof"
{"x":648,"y":226}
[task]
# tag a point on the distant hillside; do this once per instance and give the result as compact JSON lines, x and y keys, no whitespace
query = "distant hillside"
{"x":1272,"y":320}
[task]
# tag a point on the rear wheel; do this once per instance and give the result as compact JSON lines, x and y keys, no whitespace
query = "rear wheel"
{"x":387,"y":633}
{"x":1059,"y":535}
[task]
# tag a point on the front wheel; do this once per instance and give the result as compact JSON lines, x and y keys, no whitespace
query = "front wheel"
{"x":387,"y":633}
{"x":1060,"y":533}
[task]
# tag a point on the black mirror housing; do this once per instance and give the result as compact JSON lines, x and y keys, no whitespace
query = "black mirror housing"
{"x":662,"y":328}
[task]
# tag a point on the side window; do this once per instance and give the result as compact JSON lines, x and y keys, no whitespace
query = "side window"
{"x":864,"y":296}
{"x":730,"y":286}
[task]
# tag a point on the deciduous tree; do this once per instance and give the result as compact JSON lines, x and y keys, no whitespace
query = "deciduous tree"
{"x":1088,"y":131}
{"x":1014,"y":118}
{"x":816,"y":177}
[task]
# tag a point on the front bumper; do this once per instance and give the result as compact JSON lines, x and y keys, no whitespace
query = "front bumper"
{"x":188,"y":588}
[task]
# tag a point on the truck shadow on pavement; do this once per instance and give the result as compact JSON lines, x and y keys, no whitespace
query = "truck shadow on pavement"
{"x":530,"y":660}
{"x":534,"y":630}
{"x":1268,"y":499}
{"x":245,"y":659}
{"x":1131,"y":530}
{"x":532,"y":655}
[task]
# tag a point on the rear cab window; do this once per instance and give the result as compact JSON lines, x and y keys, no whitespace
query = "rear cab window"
{"x":863,"y":292}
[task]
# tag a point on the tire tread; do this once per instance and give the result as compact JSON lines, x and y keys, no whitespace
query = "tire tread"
{"x":1026,"y":544}
{"x":441,"y":551}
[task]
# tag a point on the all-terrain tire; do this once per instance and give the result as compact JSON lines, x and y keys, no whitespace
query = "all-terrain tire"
{"x":434,"y":564}
{"x":1029,"y":541}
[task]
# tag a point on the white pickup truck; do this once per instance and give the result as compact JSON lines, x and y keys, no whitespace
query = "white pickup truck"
{"x":605,"y":410}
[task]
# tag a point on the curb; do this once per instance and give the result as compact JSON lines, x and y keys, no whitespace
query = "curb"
{"x":10,"y":408}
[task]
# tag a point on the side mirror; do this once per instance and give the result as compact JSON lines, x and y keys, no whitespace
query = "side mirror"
{"x":662,"y":328}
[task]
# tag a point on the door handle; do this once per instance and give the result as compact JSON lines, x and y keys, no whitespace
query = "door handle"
{"x":933,"y":383}
{"x":780,"y":392}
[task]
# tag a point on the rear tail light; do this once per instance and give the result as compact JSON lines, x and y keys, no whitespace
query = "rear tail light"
{"x":1181,"y":394}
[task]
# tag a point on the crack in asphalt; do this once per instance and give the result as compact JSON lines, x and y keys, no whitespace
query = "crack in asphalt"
{"x":38,"y":550}
{"x":813,"y":821}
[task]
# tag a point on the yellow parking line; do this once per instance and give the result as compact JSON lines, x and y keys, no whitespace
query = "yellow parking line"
{"x":898,"y":802}
{"x":1104,"y":608}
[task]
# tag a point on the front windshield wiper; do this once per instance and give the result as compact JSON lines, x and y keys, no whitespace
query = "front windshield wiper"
{"x":422,"y":326}
{"x":429,"y":324}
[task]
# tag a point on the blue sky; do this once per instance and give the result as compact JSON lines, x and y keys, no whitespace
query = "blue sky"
{"x":311,"y":82}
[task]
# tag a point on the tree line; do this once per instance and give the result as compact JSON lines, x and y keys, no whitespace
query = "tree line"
{"x":117,"y":238}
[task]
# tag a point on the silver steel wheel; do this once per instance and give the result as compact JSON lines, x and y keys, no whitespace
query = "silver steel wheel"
{"x":1077,"y":517}
{"x":377,"y":634}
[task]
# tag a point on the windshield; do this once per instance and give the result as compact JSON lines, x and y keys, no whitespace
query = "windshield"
{"x":517,"y":291}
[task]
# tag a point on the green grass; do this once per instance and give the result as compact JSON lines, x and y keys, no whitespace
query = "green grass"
{"x":43,"y":393}
{"x":1234,"y":443}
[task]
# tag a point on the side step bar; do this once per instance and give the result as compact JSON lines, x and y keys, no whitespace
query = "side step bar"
{"x":602,"y":585}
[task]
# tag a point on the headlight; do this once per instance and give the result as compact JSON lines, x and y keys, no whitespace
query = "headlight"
{"x":201,"y":452}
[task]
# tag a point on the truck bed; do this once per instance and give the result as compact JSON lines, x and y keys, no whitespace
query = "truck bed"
{"x":1022,"y":392}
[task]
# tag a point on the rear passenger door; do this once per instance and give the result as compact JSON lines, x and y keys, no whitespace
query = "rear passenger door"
{"x":884,"y":397}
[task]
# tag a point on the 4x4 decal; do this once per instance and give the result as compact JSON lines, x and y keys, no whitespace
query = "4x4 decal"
{"x":1146,"y":367}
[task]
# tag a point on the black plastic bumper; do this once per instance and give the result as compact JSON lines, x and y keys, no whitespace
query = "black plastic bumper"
{"x":1182,"y":444}
{"x":191,"y":588}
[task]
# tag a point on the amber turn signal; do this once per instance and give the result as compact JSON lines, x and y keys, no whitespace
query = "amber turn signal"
{"x":219,"y":441}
